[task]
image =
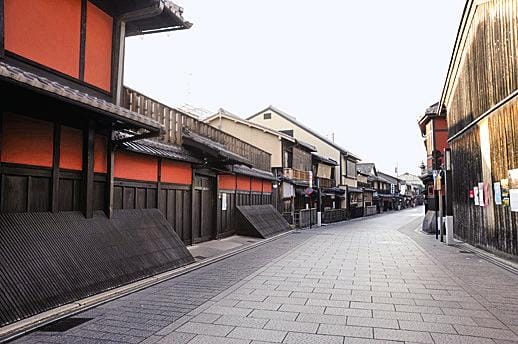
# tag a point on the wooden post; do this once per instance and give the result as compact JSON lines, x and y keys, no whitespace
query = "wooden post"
{"x":193,"y":191}
{"x":1,"y":134}
{"x":88,"y":170}
{"x":82,"y":41}
{"x":2,"y":29}
{"x":110,"y":158}
{"x":55,"y":167}
{"x":219,"y":213}
{"x":159,"y":183}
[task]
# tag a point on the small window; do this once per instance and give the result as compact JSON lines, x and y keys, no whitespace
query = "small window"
{"x":267,"y":115}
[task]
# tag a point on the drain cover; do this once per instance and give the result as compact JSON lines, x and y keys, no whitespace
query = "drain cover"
{"x":467,"y":252}
{"x":64,"y":324}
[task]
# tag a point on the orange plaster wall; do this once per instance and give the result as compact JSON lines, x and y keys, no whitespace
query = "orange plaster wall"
{"x":71,"y":149}
{"x":98,"y":48}
{"x":257,"y":185}
{"x":227,"y":182}
{"x":100,"y":154}
{"x":267,"y":186}
{"x":45,"y":31}
{"x":176,"y":172}
{"x":243,"y":183}
{"x":27,"y":141}
{"x":135,"y":166}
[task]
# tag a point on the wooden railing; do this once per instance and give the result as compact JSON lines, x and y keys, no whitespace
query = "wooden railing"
{"x":327,"y":183}
{"x":295,"y":174}
{"x":175,"y":122}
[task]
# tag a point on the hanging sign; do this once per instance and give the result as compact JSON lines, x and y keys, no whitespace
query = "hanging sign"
{"x":475,"y":192}
{"x":513,"y":189}
{"x":224,"y":201}
{"x":504,"y":185}
{"x":481,"y":194}
{"x":471,"y":194}
{"x":309,"y":191}
{"x":498,"y":193}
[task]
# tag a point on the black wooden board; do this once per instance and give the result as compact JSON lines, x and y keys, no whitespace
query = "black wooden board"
{"x":47,"y":260}
{"x":261,"y":221}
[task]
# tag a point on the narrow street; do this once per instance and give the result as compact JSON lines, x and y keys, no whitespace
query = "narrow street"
{"x":372,"y":280}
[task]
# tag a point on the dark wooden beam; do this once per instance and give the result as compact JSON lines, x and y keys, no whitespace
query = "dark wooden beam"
{"x":82,"y":40}
{"x":2,"y":29}
{"x":56,"y":152}
{"x":159,"y":183}
{"x":1,"y":172}
{"x":117,"y":60}
{"x":110,"y":158}
{"x":88,"y":169}
{"x":193,"y":191}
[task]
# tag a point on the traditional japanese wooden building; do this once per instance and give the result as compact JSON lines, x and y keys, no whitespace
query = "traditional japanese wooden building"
{"x":480,"y":96}
{"x":99,"y":185}
{"x":434,"y":130}
{"x":345,"y":171}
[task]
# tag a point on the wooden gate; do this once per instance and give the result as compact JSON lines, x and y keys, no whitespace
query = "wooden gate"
{"x":204,"y":209}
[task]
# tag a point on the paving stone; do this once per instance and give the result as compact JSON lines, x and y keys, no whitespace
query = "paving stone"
{"x":203,"y":339}
{"x":486,"y":332}
{"x":397,"y":315}
{"x":223,"y":310}
{"x":291,"y":326}
{"x":263,"y":314}
{"x":206,"y":318}
{"x":258,"y":305}
{"x":176,"y":338}
{"x":365,"y":313}
{"x":403,"y":335}
{"x":302,"y":309}
{"x":307,"y":338}
{"x":373,"y":322}
{"x":232,"y":320}
{"x":286,"y":300}
{"x":258,"y":334}
{"x":378,"y":306}
{"x":448,"y":319}
{"x":426,"y":326}
{"x":322,"y":318}
{"x":345,"y":330}
{"x":208,"y":329}
{"x":441,"y":338}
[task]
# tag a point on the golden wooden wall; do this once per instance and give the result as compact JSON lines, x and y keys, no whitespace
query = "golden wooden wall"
{"x":488,"y":71}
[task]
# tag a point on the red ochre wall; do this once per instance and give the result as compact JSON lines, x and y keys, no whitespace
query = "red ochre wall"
{"x":48,"y":32}
{"x":243,"y":183}
{"x":100,"y":156}
{"x":267,"y":186}
{"x":45,"y":31}
{"x":176,"y":172}
{"x":227,"y":182}
{"x":135,"y":166}
{"x":257,"y":185}
{"x":27,"y":141}
{"x":98,"y":48}
{"x":71,"y":149}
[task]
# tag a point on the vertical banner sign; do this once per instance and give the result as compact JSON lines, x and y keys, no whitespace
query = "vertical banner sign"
{"x":224,"y":201}
{"x":481,"y":194}
{"x":504,"y":184}
{"x":513,"y":189}
{"x":475,"y":191}
{"x":498,"y":193}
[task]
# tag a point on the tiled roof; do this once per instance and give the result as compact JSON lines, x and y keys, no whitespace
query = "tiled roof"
{"x":220,"y":149}
{"x":150,"y":147}
{"x":18,"y":76}
{"x":365,"y":167}
{"x":325,"y":160}
{"x":252,"y":172}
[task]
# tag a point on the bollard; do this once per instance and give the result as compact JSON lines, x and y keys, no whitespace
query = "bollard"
{"x":319,"y":219}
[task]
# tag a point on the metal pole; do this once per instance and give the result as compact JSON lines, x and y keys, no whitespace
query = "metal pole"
{"x":441,"y":230}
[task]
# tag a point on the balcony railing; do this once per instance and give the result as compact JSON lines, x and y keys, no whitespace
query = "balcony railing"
{"x":175,"y":122}
{"x":295,"y":174}
{"x":327,"y":183}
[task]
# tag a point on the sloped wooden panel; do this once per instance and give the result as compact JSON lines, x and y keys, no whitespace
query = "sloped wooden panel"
{"x":262,"y":221}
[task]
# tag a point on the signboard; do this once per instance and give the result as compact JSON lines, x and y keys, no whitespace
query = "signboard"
{"x":504,"y":185}
{"x":498,"y":193}
{"x":475,"y":192}
{"x":224,"y":201}
{"x":481,"y":194}
{"x":513,"y":189}
{"x":309,"y":191}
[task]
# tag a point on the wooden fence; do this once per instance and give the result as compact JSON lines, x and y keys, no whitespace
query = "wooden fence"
{"x":175,"y":122}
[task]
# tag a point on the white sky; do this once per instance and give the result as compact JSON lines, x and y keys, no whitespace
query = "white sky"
{"x":365,"y":70}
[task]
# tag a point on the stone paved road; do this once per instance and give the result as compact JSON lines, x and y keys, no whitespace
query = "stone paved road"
{"x":372,"y":280}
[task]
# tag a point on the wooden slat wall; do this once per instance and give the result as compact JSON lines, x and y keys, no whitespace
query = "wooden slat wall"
{"x":175,"y":121}
{"x":488,"y":72}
